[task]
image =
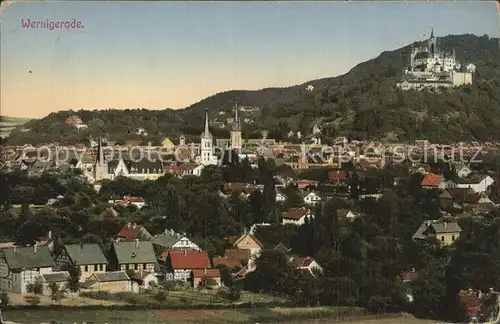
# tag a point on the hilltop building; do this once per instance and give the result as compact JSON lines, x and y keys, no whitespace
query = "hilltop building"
{"x":431,"y":67}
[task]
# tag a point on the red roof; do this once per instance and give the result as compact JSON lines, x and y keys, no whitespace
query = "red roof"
{"x":129,"y":231}
{"x":295,"y":213}
{"x":409,"y":276}
{"x":337,"y":175}
{"x":301,"y":184}
{"x":206,"y":273}
{"x":431,"y":180}
{"x":189,"y":260}
{"x":471,"y":301}
{"x":302,"y":262}
{"x":238,"y":254}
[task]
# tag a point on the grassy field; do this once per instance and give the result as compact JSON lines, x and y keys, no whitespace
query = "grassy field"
{"x":316,"y":315}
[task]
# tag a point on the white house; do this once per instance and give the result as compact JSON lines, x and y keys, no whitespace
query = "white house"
{"x":169,"y":239}
{"x":185,"y":169}
{"x":479,"y":184}
{"x":280,"y":197}
{"x":60,"y":278}
{"x":296,"y":216}
{"x":21,"y":266}
{"x":308,"y":264}
{"x":312,"y":199}
{"x":462,"y":170}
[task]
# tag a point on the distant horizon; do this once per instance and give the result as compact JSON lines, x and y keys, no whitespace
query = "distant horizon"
{"x":170,"y":55}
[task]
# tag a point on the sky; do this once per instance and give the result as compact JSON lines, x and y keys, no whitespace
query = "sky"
{"x":159,"y":55}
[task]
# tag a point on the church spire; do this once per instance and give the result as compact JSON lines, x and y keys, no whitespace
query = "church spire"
{"x":432,"y":32}
{"x":206,"y":132}
{"x":100,"y":153}
{"x":236,"y":123}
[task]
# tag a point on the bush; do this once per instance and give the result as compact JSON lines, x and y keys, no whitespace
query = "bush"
{"x":4,"y":299}
{"x":160,"y":296}
{"x":35,"y":288}
{"x":32,"y":300}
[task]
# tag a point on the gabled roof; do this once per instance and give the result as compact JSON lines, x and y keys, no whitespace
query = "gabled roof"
{"x":167,"y":239}
{"x":295,"y":213}
{"x":82,"y":254}
{"x":110,"y":276}
{"x":61,"y":276}
{"x":337,"y":175}
{"x":134,"y":252}
{"x":189,"y":259}
{"x":235,"y":240}
{"x":133,"y":231}
{"x":432,"y":180}
{"x":18,"y":258}
{"x":206,"y":273}
{"x":302,"y":262}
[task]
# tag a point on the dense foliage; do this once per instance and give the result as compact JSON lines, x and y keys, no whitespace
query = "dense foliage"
{"x":363,"y":103}
{"x":362,"y":259}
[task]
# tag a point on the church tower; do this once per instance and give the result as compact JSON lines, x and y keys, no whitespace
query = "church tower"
{"x":100,"y":165}
{"x":236,"y":132}
{"x":432,"y":45}
{"x":206,"y":144}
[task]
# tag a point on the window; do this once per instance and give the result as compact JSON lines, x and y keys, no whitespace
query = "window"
{"x":101,"y":267}
{"x":135,"y":266}
{"x":126,"y":267}
{"x":453,"y":237}
{"x":144,"y":266}
{"x":86,"y":268}
{"x":442,"y":238}
{"x":95,"y":267}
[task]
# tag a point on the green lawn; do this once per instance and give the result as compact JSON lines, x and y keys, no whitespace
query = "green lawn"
{"x":215,"y":316}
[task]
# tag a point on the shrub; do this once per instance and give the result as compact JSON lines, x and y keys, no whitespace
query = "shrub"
{"x":4,"y":299}
{"x":35,"y":288}
{"x":32,"y":300}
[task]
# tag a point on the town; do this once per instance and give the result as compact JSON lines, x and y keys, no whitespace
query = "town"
{"x":354,"y":224}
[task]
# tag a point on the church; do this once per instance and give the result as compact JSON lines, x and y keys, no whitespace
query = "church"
{"x":207,"y":149}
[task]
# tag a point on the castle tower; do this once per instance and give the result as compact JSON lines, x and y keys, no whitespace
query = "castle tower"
{"x":236,"y":131}
{"x":100,"y":165}
{"x":206,"y":144}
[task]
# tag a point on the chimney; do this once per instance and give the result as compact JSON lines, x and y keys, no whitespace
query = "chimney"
{"x":445,"y":224}
{"x":136,"y":243}
{"x":49,"y":234}
{"x":15,"y":248}
{"x":185,"y":252}
{"x":129,"y":225}
{"x":205,"y":271}
{"x":81,"y":245}
{"x":35,"y":247}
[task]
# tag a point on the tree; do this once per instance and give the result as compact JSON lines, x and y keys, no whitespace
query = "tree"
{"x":35,"y":288}
{"x":57,"y":292}
{"x":231,"y":294}
{"x":4,"y":299}
{"x":74,"y":277}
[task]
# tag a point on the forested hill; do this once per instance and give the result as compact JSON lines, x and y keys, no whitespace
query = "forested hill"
{"x":362,"y":103}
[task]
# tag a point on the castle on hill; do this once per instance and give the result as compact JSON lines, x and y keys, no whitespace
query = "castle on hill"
{"x":431,"y":67}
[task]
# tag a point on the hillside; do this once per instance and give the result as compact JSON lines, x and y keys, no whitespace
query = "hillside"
{"x":7,"y":124}
{"x":362,"y":103}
